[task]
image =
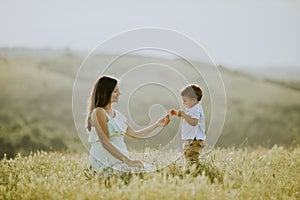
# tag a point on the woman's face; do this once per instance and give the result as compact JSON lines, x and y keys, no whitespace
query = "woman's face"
{"x":115,"y":95}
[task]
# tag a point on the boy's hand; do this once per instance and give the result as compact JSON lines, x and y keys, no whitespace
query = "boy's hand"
{"x":174,"y":112}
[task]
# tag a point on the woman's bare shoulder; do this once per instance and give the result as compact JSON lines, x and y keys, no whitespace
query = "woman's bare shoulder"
{"x":98,"y":114}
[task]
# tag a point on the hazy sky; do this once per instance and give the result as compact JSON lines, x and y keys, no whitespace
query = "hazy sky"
{"x":236,"y":33}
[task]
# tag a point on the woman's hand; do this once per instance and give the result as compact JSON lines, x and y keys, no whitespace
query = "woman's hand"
{"x":135,"y":163}
{"x":163,"y":121}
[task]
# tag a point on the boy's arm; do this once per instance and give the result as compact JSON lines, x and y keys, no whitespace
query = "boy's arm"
{"x":188,"y":119}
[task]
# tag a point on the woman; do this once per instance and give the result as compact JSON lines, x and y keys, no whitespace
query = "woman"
{"x":108,"y":127}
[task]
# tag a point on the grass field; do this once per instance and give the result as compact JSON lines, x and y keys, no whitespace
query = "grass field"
{"x":245,"y":173}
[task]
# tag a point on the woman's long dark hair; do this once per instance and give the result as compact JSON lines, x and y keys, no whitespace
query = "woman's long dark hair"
{"x":100,"y":95}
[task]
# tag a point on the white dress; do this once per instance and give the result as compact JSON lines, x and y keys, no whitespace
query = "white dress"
{"x":99,"y":157}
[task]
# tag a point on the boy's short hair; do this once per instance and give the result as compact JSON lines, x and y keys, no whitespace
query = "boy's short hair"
{"x":192,"y":91}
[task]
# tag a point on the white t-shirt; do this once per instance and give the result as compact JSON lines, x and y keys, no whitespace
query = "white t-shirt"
{"x":198,"y":131}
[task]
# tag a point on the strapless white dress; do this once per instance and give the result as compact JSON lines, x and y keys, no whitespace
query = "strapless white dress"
{"x":99,"y":157}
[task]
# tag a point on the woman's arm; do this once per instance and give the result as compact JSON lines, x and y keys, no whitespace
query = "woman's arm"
{"x":98,"y":119}
{"x":143,"y":132}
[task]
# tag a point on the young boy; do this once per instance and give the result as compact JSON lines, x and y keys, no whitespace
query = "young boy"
{"x":193,"y":126}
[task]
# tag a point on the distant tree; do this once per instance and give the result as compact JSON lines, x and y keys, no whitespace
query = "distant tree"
{"x":57,"y":143}
{"x":6,"y":148}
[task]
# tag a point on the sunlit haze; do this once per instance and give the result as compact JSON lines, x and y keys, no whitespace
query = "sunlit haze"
{"x":235,"y":33}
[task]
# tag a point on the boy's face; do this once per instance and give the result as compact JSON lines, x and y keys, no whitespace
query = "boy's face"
{"x":189,"y":102}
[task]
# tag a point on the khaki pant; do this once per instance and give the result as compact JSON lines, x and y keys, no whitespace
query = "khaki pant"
{"x":192,"y":150}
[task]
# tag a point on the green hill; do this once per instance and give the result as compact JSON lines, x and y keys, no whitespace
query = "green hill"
{"x":264,"y":112}
{"x":36,"y":103}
